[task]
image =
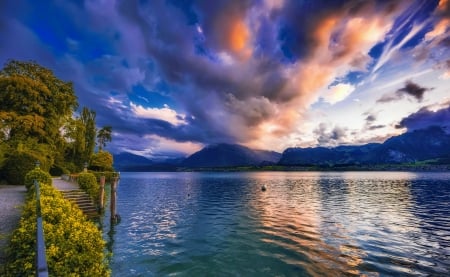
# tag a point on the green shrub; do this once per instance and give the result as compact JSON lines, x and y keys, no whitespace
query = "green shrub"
{"x":101,"y":161}
{"x":88,"y":183}
{"x":58,"y":170}
{"x":74,"y":245}
{"x":71,"y":167}
{"x":109,"y":175}
{"x":37,"y":174}
{"x":17,"y":166}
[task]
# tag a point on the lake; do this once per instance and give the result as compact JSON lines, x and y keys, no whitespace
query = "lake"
{"x":304,"y":224}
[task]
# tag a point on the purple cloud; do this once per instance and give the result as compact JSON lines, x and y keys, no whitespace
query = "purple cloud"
{"x":425,"y":118}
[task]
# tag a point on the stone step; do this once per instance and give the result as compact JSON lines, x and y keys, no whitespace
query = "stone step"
{"x":83,"y":201}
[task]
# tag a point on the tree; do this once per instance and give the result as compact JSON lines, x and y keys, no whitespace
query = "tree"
{"x":102,"y":161}
{"x":33,"y":102}
{"x":87,"y":118}
{"x":74,"y":133}
{"x":104,"y":136}
{"x":34,"y":106}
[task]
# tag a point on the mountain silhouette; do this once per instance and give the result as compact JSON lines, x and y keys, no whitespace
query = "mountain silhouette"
{"x":418,"y":145}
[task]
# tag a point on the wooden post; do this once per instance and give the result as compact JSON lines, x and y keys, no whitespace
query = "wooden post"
{"x":102,"y":193}
{"x":113,"y":200}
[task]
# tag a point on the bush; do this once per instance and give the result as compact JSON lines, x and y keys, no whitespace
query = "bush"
{"x":37,"y":174}
{"x":17,"y":166}
{"x":109,"y":175}
{"x":57,"y":170}
{"x":74,"y":245}
{"x":101,"y":161}
{"x":88,"y":183}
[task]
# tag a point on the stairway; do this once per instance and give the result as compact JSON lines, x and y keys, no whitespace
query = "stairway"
{"x":83,"y":201}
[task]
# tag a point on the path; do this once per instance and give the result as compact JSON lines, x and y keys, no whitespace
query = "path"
{"x":62,"y":185}
{"x":11,"y":200}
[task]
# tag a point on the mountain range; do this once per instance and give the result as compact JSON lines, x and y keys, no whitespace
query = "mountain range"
{"x":420,"y":145}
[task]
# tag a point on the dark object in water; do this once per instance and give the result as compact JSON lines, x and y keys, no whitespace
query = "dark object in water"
{"x":116,"y":219}
{"x":263,"y":188}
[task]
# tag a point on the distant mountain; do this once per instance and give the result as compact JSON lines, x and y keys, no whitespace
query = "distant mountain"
{"x":126,"y":160}
{"x":228,"y":155}
{"x":419,"y":145}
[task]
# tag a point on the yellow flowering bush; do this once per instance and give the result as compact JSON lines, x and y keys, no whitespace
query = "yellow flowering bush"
{"x":74,"y":245}
{"x":39,"y":175}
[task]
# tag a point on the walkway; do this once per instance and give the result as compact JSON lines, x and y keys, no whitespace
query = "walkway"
{"x":11,"y":200}
{"x":63,"y":185}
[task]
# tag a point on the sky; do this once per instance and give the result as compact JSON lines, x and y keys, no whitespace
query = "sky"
{"x":171,"y":77}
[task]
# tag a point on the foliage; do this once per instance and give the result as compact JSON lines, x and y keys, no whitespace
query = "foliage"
{"x":17,"y":166}
{"x":44,"y":152}
{"x":88,"y":119}
{"x":33,"y":102}
{"x":74,"y":245}
{"x":58,"y":170}
{"x":4,"y":149}
{"x":36,"y":110}
{"x":88,"y":182}
{"x":109,"y":175}
{"x":102,"y":161}
{"x":74,"y":133}
{"x":104,"y":136}
{"x":39,"y":175}
{"x":80,"y":132}
{"x":34,"y":106}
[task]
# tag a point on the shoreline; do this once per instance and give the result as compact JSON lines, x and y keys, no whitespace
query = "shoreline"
{"x":284,"y":168}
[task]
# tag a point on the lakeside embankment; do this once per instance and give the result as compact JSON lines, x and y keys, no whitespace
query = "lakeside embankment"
{"x":11,"y":200}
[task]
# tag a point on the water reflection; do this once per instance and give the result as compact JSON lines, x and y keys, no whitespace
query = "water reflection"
{"x":304,"y":224}
{"x":349,"y":223}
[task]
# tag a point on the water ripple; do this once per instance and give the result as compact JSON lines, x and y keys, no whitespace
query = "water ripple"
{"x":305,"y":224}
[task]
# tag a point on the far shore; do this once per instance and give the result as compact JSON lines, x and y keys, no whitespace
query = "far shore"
{"x":401,"y":167}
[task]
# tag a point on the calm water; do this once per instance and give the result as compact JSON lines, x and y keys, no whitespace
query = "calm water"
{"x":305,"y":224}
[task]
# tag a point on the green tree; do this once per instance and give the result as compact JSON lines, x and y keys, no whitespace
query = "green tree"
{"x":102,"y":161}
{"x":34,"y":106}
{"x":87,"y":118}
{"x":33,"y":102}
{"x":104,"y":136}
{"x":74,"y":132}
{"x":80,"y":134}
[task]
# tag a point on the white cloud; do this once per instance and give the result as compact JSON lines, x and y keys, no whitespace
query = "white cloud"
{"x":168,"y":145}
{"x":338,"y":93}
{"x":165,"y":114}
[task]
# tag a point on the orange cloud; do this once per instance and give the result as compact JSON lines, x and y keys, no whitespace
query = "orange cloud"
{"x":341,"y":43}
{"x":233,"y":35}
{"x":439,"y":29}
{"x":443,"y":5}
{"x":238,"y":35}
{"x":238,"y":39}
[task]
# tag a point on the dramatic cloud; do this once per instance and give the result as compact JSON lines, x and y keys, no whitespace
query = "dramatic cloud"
{"x":410,"y":89}
{"x":425,"y":118}
{"x":260,"y":73}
